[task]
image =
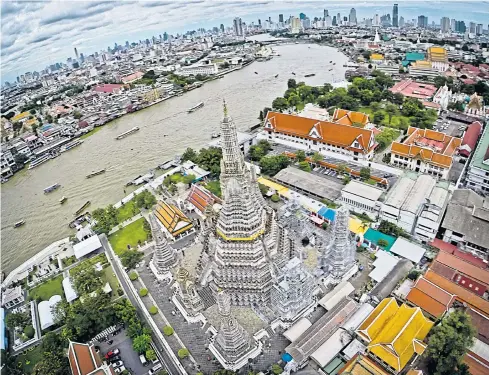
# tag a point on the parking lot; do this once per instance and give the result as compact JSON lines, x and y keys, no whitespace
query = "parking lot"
{"x":127,"y":355}
{"x":449,"y":127}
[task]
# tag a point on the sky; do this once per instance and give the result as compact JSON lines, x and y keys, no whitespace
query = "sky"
{"x":38,"y":33}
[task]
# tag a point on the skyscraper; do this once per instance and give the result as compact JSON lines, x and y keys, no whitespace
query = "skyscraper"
{"x":281,"y":18}
{"x":376,"y":20}
{"x":401,"y":21}
{"x":472,"y":27}
{"x":445,"y":24}
{"x":302,"y":16}
{"x":222,"y":28}
{"x":238,"y":26}
{"x":334,"y":21}
{"x":479,"y":29}
{"x":423,"y":21}
{"x":338,"y":19}
{"x":395,"y":16}
{"x":453,"y":24}
{"x":325,"y":12}
{"x":76,"y":53}
{"x":353,"y":17}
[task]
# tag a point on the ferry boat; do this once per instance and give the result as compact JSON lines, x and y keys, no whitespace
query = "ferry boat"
{"x":93,"y":174}
{"x":19,"y":223}
{"x":38,"y":161}
{"x":80,"y":210}
{"x":215,"y":135}
{"x":129,"y":132}
{"x":51,"y":188}
{"x":310,"y":75}
{"x":276,"y":75}
{"x":293,"y":73}
{"x":256,"y":72}
{"x":196,"y":107}
{"x":63,"y":200}
{"x":70,"y":145}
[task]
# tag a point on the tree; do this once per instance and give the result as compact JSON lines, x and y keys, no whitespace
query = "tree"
{"x":275,"y":198}
{"x":379,"y":117}
{"x":153,"y":310}
{"x":29,"y":331}
{"x":256,"y":153}
{"x":280,"y":104}
{"x":189,"y":154}
{"x":294,"y":100}
{"x":21,"y":319}
{"x":391,"y":110}
{"x":77,"y":115}
{"x":391,"y":229}
{"x":168,"y":330}
{"x":143,"y":292}
{"x":270,"y":165}
{"x":183,"y":353}
{"x":141,"y":343}
{"x":382,"y":243}
{"x":398,"y":98}
{"x":133,"y":275}
{"x":413,"y":275}
{"x":263,"y":189}
{"x":144,"y":200}
{"x":341,"y":169}
{"x":365,"y":173}
{"x":300,"y":156}
{"x":291,"y":83}
{"x":150,"y":355}
{"x":276,"y":369}
{"x":188,"y":179}
{"x":52,"y":364}
{"x":86,"y":279}
{"x":210,"y":160}
{"x":411,"y":107}
{"x":449,"y":343}
{"x":304,"y":166}
{"x":316,"y":157}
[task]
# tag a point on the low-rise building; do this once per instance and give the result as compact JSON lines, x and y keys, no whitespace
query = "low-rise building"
{"x":414,"y":89}
{"x":426,"y":151}
{"x":416,"y":203}
{"x":362,"y":198}
{"x":193,"y":70}
{"x":84,"y":360}
{"x":478,"y":170}
{"x":175,"y":223}
{"x":466,"y":222}
{"x":310,"y":134}
{"x":12,"y":297}
{"x":470,"y":138}
{"x":394,"y":334}
{"x":438,"y":58}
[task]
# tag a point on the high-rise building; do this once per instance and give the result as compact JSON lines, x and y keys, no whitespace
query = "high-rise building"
{"x":76,"y":53}
{"x":479,"y":29}
{"x":401,"y":22}
{"x":460,"y":27}
{"x":328,"y":22}
{"x":338,"y":19}
{"x":453,"y":24}
{"x":376,"y":20}
{"x":353,"y":17}
{"x":445,"y":24}
{"x":295,"y":25}
{"x":222,"y":28}
{"x":238,"y":26}
{"x":334,"y":21}
{"x":472,"y":27}
{"x":259,"y":22}
{"x":395,"y":16}
{"x":325,"y":13}
{"x":302,"y":16}
{"x":423,"y":21}
{"x":306,"y":23}
{"x":281,"y":18}
{"x":165,"y":36}
{"x":246,"y":242}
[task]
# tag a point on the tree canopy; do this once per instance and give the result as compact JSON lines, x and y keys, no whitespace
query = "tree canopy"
{"x":271,"y":165}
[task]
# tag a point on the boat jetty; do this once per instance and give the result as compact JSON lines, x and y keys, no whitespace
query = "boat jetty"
{"x":70,"y":145}
{"x":80,"y":210}
{"x":129,"y":132}
{"x":93,"y":174}
{"x":38,"y":161}
{"x":141,"y":179}
{"x":195,"y":107}
{"x":51,"y":188}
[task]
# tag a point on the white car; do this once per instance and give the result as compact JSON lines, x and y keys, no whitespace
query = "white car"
{"x":118,"y":370}
{"x":118,"y":364}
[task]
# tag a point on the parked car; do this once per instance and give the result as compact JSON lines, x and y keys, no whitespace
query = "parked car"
{"x":112,"y":353}
{"x":118,"y":364}
{"x":115,"y":359}
{"x":155,"y":369}
{"x":118,"y":370}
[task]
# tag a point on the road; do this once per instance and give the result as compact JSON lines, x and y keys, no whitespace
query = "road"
{"x":162,"y":354}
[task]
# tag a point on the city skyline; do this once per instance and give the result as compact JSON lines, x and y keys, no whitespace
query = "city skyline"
{"x":54,"y":30}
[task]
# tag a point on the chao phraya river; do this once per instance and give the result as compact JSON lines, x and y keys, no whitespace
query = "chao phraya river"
{"x":166,"y":129}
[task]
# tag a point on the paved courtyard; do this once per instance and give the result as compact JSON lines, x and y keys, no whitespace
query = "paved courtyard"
{"x":194,"y":337}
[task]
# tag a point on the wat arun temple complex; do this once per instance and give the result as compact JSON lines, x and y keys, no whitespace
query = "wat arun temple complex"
{"x":252,"y":258}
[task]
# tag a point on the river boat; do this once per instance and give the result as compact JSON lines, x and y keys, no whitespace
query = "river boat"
{"x":310,"y":75}
{"x":51,"y":188}
{"x":330,"y":61}
{"x":215,"y":135}
{"x":293,"y":73}
{"x":276,"y":75}
{"x":80,"y":210}
{"x":256,"y":72}
{"x":70,"y":145}
{"x":143,"y":179}
{"x":38,"y":161}
{"x":129,"y":132}
{"x":63,"y":200}
{"x":79,"y":220}
{"x":19,"y":223}
{"x":96,"y":173}
{"x":334,"y":63}
{"x":195,"y":107}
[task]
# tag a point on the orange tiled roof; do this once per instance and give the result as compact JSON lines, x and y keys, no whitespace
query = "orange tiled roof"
{"x":200,"y":197}
{"x":461,"y":293}
{"x":172,"y":218}
{"x":83,"y":359}
{"x":430,"y":298}
{"x":472,"y":271}
{"x":477,"y":365}
{"x":345,"y":117}
{"x":326,"y":132}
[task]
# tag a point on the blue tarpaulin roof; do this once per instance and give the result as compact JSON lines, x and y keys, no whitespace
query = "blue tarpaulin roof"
{"x":374,"y":236}
{"x":327,"y":213}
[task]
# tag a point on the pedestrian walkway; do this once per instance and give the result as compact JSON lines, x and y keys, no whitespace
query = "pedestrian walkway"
{"x":126,"y":223}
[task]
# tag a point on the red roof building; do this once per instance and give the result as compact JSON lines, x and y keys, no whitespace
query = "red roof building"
{"x":414,"y":89}
{"x":454,"y":250}
{"x":200,"y":198}
{"x":84,"y":360}
{"x":469,"y":141}
{"x":108,"y":88}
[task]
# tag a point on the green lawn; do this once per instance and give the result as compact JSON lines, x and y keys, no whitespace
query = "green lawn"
{"x":29,"y":360}
{"x":214,"y":187}
{"x":95,"y":130}
{"x":102,"y":258}
{"x":398,"y":121}
{"x":110,"y":277}
{"x":129,"y":235}
{"x":48,"y":289}
{"x":127,"y":211}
